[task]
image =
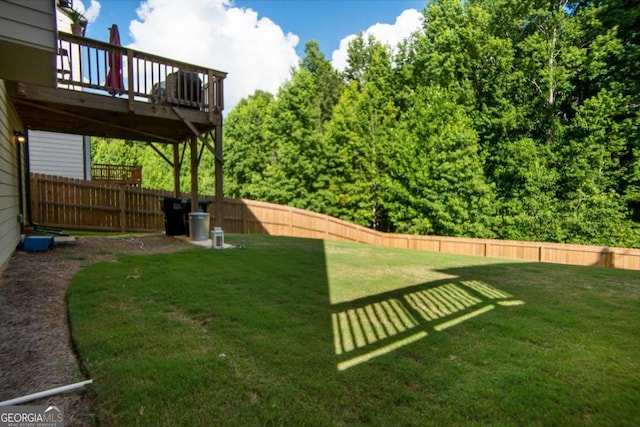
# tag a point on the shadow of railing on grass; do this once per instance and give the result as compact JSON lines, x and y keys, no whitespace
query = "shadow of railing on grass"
{"x":375,"y":325}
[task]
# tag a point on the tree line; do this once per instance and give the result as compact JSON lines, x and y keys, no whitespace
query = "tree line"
{"x":499,"y":118}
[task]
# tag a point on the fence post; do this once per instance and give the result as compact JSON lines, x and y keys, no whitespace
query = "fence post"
{"x":34,"y":207}
{"x":123,"y":210}
{"x":609,"y":258}
{"x":244,"y":218}
{"x":326,"y":227}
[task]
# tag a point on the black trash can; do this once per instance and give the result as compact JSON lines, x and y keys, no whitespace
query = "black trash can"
{"x":174,"y":216}
{"x":203,"y":205}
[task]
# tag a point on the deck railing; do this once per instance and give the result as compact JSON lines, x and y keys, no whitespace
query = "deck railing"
{"x":85,"y":63}
{"x":116,"y":174}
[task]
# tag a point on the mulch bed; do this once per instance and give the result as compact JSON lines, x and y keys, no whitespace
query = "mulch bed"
{"x":36,"y":350}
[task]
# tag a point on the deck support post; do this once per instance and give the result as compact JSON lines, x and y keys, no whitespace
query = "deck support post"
{"x":176,"y":169}
{"x":219,"y":162}
{"x":194,"y":174}
{"x":219,"y":196}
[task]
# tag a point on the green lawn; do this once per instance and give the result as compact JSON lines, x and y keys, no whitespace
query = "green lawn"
{"x":309,"y":332}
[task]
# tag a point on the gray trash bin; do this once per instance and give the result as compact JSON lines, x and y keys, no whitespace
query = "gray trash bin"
{"x":199,"y":226}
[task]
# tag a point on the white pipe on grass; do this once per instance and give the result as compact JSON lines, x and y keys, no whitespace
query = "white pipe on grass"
{"x":46,"y":393}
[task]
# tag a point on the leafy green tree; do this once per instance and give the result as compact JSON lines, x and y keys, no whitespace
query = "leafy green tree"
{"x":526,"y":201}
{"x":326,"y":79}
{"x":622,"y":17}
{"x":592,"y":171}
{"x":360,"y":136}
{"x":438,"y":182}
{"x":294,"y":174}
{"x":275,"y":146}
{"x":249,"y":146}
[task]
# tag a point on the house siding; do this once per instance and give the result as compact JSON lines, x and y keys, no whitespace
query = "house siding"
{"x":9,"y":179}
{"x":28,"y":37}
{"x":59,"y":154}
{"x":28,"y":23}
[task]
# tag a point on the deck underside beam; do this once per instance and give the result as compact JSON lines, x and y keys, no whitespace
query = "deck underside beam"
{"x":83,"y":113}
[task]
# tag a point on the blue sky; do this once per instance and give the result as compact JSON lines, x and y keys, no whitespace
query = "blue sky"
{"x":255,"y":41}
{"x":328,"y":21}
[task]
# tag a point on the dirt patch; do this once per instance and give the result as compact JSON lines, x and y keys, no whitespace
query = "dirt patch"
{"x":36,"y":351}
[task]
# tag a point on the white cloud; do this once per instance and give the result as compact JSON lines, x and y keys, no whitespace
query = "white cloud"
{"x":255,"y":52}
{"x":391,"y":34}
{"x":91,"y":13}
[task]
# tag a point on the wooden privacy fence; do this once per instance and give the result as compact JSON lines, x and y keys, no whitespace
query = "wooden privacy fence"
{"x":82,"y":205}
{"x":245,"y":216}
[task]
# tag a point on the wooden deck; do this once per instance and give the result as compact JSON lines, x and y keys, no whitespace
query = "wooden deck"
{"x":160,"y":100}
{"x":116,"y":174}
